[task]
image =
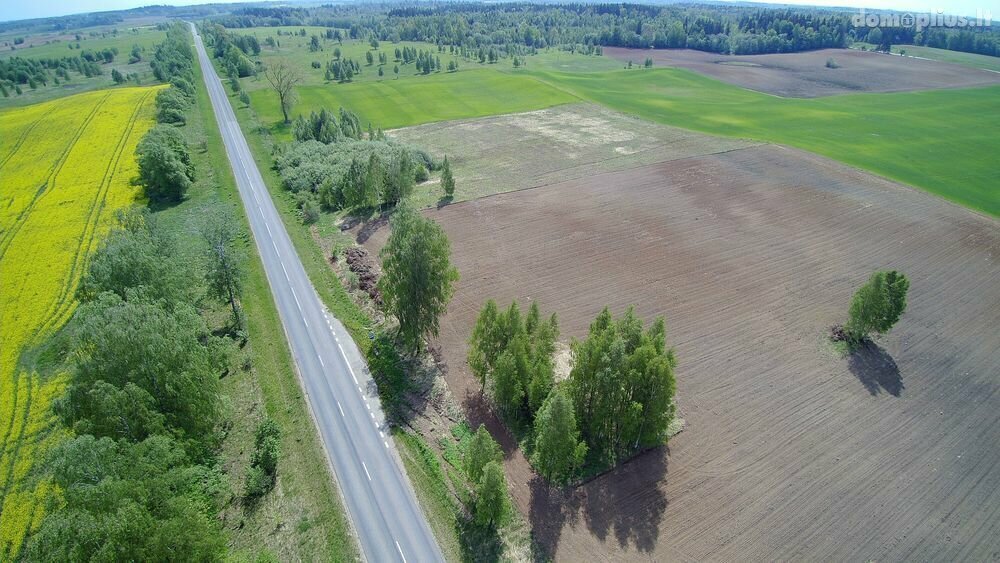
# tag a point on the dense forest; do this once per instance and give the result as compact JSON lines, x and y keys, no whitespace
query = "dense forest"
{"x":740,"y":30}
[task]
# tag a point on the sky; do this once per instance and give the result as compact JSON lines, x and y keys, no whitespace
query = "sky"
{"x":24,"y":9}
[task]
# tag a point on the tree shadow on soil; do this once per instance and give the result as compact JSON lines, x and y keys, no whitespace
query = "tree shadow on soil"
{"x":478,"y":412}
{"x":875,"y":369}
{"x":371,"y":226}
{"x":627,"y":503}
{"x":445,"y":200}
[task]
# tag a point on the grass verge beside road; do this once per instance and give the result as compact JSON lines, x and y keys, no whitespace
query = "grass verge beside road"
{"x":303,"y":518}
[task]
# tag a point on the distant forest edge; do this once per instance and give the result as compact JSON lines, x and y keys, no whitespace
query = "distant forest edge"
{"x":738,"y":30}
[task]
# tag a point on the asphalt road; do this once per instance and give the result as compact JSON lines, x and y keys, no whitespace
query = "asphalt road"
{"x":341,"y":394}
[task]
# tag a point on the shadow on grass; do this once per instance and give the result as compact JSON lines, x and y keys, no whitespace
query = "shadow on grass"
{"x":875,"y":369}
{"x":627,"y":503}
{"x":479,"y":543}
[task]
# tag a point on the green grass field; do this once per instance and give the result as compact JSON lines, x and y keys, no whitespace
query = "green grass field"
{"x":965,"y":59}
{"x":145,"y":37}
{"x":59,"y":46}
{"x":438,"y":97}
{"x":941,"y":141}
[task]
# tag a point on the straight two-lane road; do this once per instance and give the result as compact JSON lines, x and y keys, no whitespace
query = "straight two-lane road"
{"x":379,"y":498}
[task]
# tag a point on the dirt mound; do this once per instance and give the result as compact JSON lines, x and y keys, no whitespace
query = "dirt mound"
{"x":364,"y":267}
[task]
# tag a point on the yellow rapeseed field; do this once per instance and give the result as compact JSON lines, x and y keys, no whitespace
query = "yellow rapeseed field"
{"x":66,"y":167}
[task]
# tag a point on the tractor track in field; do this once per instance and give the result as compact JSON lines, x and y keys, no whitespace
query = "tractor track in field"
{"x":12,"y":454}
{"x":63,"y":304}
{"x":22,"y":217}
{"x":20,"y":141}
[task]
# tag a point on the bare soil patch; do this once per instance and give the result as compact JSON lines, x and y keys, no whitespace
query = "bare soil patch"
{"x":526,"y":150}
{"x":805,"y":75}
{"x":791,"y":451}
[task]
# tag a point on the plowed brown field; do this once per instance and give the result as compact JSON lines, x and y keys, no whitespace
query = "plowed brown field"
{"x":791,"y":451}
{"x":805,"y":75}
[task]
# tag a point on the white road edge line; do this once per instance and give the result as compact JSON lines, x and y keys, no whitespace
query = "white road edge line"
{"x":366,"y":471}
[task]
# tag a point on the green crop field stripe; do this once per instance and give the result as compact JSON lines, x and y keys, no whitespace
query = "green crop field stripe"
{"x":22,"y":217}
{"x":62,"y":304}
{"x":936,"y":140}
{"x":409,"y":101}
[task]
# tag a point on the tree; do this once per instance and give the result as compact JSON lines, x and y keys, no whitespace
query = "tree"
{"x":375,"y":180}
{"x":558,"y":448}
{"x":485,"y":344}
{"x":492,"y":503}
{"x":622,"y":385}
{"x":447,"y":180}
{"x":283,"y":78}
{"x":225,"y":263}
{"x":163,"y":360}
{"x":877,"y":305}
{"x":125,"y":501}
{"x":507,"y":390}
{"x":245,"y":98}
{"x":117,"y":76}
{"x":418,"y":279}
{"x":171,"y":105}
{"x":482,"y":450}
{"x":395,"y":70}
{"x":136,"y":254}
{"x":165,"y":169}
{"x":400,"y":183}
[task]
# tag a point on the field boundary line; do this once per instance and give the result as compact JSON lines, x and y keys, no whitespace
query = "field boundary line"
{"x":9,"y":235}
{"x":547,"y":184}
{"x":94,"y":214}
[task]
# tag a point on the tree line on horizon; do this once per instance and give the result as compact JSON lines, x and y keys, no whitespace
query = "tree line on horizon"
{"x":738,"y":30}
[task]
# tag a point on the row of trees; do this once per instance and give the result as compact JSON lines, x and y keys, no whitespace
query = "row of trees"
{"x":351,"y":172}
{"x":335,"y":165}
{"x":16,"y":72}
{"x":372,"y":183}
{"x":617,"y":401}
{"x":165,"y":168}
{"x":511,"y":354}
{"x":323,"y":126}
{"x":139,"y":479}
